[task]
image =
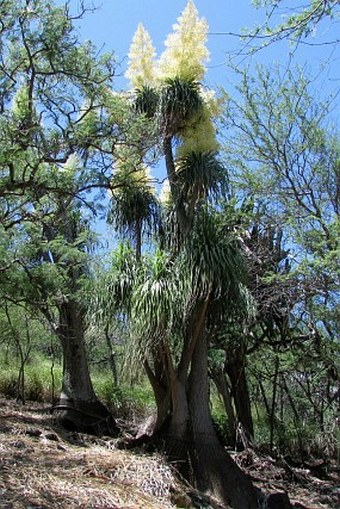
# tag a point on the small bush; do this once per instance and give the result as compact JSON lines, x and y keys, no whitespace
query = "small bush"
{"x":39,"y":380}
{"x":34,"y":386}
{"x":9,"y":383}
{"x":127,"y":402}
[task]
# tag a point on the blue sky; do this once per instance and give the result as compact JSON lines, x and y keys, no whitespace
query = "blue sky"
{"x":116,"y":20}
{"x":114,"y":23}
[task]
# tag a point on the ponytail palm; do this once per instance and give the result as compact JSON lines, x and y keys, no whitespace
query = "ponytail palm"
{"x":170,"y":289}
{"x":180,"y":99}
{"x":215,"y":262}
{"x":159,"y":300}
{"x":146,"y":101}
{"x":173,"y":302}
{"x":134,"y":207}
{"x":201,"y":176}
{"x":195,"y":273}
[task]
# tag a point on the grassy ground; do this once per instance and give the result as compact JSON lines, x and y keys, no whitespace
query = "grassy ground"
{"x":44,"y":467}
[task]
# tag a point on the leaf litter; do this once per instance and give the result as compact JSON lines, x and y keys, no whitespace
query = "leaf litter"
{"x":45,"y":467}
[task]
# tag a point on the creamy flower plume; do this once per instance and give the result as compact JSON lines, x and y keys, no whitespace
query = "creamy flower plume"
{"x":128,"y":171}
{"x":142,"y":65}
{"x":212,"y":104}
{"x":199,"y":135}
{"x":186,"y":54}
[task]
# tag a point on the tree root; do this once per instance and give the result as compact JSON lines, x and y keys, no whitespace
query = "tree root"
{"x":91,"y":418}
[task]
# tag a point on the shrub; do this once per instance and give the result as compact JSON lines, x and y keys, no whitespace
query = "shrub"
{"x":127,"y":402}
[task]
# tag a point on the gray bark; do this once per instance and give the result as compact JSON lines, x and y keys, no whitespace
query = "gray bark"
{"x":78,"y":407}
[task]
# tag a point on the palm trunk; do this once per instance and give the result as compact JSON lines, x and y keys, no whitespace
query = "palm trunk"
{"x":161,"y":391}
{"x":190,"y":436}
{"x":183,"y":220}
{"x":192,"y":441}
{"x":216,"y":472}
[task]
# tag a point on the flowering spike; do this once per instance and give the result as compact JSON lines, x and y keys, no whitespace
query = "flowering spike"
{"x":186,"y":53}
{"x":141,"y":70}
{"x":199,"y":135}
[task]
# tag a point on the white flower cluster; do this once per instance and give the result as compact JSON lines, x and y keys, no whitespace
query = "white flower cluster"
{"x":142,"y":64}
{"x":184,"y":57}
{"x":186,"y":53}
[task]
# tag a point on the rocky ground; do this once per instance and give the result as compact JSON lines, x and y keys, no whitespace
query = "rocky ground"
{"x":45,"y":467}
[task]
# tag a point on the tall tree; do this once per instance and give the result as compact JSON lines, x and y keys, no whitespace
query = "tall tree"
{"x":58,"y":129}
{"x":176,"y":296}
{"x":134,"y":207}
{"x":286,"y":154}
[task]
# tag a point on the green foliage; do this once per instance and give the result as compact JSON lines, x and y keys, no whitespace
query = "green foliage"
{"x":39,"y":385}
{"x":147,"y":100}
{"x":53,"y":116}
{"x":179,"y":100}
{"x":133,"y":206}
{"x":201,"y":176}
{"x":296,"y":24}
{"x":285,"y":154}
{"x":158,"y":298}
{"x":9,"y":383}
{"x":58,"y":139}
{"x":130,"y":402}
{"x":113,"y":288}
{"x":216,"y":265}
{"x":303,"y":413}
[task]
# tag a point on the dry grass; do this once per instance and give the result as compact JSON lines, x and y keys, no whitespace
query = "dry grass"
{"x":44,"y":468}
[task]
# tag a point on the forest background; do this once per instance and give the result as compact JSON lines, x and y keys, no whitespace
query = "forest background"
{"x":224,"y":292}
